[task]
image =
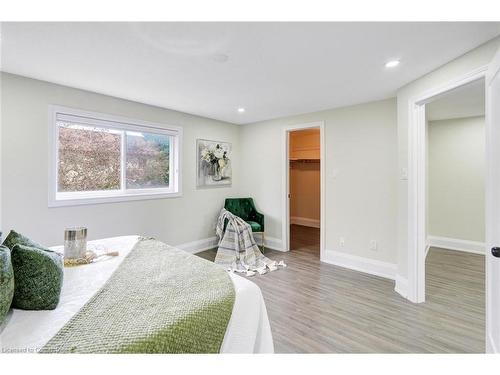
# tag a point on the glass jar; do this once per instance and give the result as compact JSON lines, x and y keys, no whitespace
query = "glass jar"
{"x":75,"y":242}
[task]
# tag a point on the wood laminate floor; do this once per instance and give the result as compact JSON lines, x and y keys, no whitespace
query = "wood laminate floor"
{"x":315,"y":307}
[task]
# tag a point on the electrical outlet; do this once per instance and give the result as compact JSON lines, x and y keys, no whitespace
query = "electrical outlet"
{"x":341,"y":242}
{"x":404,"y":173}
{"x":373,"y":245}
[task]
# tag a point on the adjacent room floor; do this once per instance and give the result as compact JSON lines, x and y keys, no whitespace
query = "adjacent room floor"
{"x":305,"y":239}
{"x":320,"y":308}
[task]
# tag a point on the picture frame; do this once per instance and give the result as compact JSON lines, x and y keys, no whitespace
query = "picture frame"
{"x":213,"y":163}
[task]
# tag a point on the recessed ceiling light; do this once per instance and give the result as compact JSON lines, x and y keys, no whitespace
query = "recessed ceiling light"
{"x":392,"y":64}
{"x":241,"y":110}
{"x":220,"y":57}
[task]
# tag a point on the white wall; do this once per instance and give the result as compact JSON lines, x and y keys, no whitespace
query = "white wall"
{"x":464,"y":64}
{"x":361,"y":173}
{"x":456,"y":178}
{"x":25,"y":170}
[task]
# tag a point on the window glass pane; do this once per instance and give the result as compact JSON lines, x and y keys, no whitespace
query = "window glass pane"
{"x":148,"y":160}
{"x":89,"y":158}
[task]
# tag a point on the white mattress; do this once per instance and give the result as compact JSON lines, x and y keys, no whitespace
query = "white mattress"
{"x":27,"y":331}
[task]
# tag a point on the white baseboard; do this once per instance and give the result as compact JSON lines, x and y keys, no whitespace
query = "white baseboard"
{"x":357,"y":263}
{"x":199,"y":246}
{"x":401,"y":286}
{"x":211,"y":242}
{"x":490,"y":345}
{"x":456,"y":244}
{"x":305,"y":221}
{"x":271,"y":242}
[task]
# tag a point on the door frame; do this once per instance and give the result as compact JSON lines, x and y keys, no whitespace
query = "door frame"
{"x":286,"y":182}
{"x":492,"y":218}
{"x":417,"y":195}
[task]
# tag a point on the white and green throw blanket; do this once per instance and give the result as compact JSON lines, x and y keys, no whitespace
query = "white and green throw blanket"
{"x":237,"y":250}
{"x":159,"y":300}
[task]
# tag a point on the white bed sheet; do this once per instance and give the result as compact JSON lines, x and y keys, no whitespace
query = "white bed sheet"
{"x":27,"y":331}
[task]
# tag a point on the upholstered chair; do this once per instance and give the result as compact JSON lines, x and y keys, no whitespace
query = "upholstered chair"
{"x":245,"y":208}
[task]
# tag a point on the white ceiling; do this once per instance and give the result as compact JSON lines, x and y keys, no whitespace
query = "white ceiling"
{"x":465,"y":101}
{"x":272,"y":69}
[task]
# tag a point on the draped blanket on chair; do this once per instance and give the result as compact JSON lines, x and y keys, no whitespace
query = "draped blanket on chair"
{"x":237,"y":248}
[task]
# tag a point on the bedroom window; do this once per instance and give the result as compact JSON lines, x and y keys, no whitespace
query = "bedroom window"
{"x":97,"y":158}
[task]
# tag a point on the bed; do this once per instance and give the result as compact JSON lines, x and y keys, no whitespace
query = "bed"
{"x":248,"y":330}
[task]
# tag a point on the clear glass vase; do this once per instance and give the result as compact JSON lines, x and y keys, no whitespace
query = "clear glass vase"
{"x":217,"y":176}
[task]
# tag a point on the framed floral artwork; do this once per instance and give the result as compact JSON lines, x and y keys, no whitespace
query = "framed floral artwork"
{"x":213,"y":163}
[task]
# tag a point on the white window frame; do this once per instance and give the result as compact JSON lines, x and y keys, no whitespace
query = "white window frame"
{"x":58,"y":199}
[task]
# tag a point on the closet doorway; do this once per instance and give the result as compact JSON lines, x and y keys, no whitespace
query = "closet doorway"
{"x":304,"y":189}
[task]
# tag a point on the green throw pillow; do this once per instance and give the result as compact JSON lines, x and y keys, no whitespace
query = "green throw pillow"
{"x":15,"y":238}
{"x":38,"y":278}
{"x":6,"y":282}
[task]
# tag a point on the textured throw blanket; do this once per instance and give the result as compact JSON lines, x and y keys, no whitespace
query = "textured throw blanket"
{"x":159,"y":300}
{"x":237,"y":248}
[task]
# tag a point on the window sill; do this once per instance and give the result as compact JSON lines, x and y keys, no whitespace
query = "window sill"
{"x":64,"y":202}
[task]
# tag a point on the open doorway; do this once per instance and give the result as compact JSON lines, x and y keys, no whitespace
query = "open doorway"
{"x":304,"y":156}
{"x":418,"y":179}
{"x":417,"y":194}
{"x":455,"y":203}
{"x":305,"y":190}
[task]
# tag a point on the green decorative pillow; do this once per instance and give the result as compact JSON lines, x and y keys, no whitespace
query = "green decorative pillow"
{"x":38,"y":278}
{"x":6,"y":282}
{"x":15,"y":238}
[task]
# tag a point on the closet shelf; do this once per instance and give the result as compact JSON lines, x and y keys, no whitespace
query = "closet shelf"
{"x":304,"y":160}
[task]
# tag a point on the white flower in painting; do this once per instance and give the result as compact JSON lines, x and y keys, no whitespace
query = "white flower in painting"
{"x":219,"y":153}
{"x":205,"y":155}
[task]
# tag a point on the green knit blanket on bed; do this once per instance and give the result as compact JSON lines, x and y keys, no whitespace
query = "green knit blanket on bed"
{"x":159,"y":300}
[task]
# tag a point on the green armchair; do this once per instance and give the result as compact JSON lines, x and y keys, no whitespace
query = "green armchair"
{"x":245,"y":208}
